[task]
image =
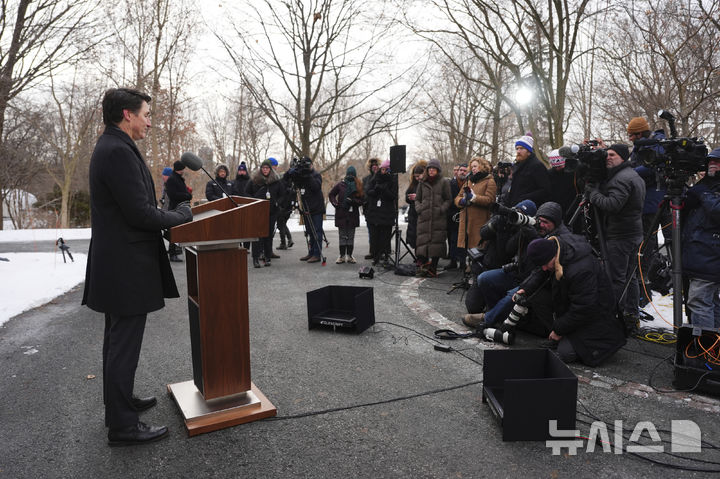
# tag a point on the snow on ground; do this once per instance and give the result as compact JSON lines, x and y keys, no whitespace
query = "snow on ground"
{"x":28,"y":280}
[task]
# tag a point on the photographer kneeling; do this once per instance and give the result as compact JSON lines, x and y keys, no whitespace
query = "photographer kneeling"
{"x":585,"y":325}
{"x":496,"y":286}
{"x":619,"y":200}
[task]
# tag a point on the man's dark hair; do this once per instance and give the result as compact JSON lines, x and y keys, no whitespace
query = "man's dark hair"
{"x":118,"y":99}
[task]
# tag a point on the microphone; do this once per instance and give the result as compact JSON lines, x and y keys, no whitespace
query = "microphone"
{"x":195,"y":163}
{"x":191,"y":160}
{"x":568,"y":151}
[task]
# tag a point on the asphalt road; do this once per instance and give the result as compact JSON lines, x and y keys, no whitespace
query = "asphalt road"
{"x":51,"y":414}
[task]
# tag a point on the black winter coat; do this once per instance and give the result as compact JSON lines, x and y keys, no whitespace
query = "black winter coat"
{"x":562,"y":189}
{"x":213,"y":190}
{"x":176,"y":189}
{"x":381,"y":194}
{"x":128,"y":271}
{"x":411,"y":232}
{"x":268,"y":187}
{"x":620,"y":200}
{"x":240,"y":185}
{"x":701,"y":231}
{"x":529,"y":182}
{"x":583,"y":302}
{"x":347,"y":215}
{"x":310,"y":187}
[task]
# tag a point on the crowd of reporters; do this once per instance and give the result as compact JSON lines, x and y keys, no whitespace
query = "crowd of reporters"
{"x":552,"y":251}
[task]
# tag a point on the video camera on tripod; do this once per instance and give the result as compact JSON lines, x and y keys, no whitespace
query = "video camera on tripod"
{"x":676,"y":158}
{"x":299,"y":168}
{"x":590,"y":161}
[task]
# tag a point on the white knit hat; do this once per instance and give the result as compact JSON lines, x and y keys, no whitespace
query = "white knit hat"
{"x":526,"y":142}
{"x":556,"y":161}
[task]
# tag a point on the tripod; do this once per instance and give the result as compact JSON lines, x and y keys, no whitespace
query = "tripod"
{"x":589,"y":211}
{"x":397,"y":233}
{"x":311,"y":235}
{"x":673,"y":201}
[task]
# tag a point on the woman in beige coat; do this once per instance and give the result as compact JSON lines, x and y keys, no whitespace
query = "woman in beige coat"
{"x":474,"y":201}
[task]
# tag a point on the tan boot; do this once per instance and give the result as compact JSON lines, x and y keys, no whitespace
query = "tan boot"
{"x":476,"y":321}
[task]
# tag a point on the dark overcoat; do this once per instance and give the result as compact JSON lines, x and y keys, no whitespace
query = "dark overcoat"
{"x":381,"y":195}
{"x":583,"y":303}
{"x":529,"y":181}
{"x":128,"y":271}
{"x":432,"y":202}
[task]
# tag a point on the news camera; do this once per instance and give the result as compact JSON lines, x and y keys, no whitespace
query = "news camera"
{"x":674,"y":158}
{"x":591,"y":162}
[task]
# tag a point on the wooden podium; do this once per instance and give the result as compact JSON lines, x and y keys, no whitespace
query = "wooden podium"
{"x":221,"y":393}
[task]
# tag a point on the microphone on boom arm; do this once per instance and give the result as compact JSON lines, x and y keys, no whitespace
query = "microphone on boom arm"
{"x":192,"y":161}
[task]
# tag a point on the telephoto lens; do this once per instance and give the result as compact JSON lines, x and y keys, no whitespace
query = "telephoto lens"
{"x":514,"y":317}
{"x":499,"y":336}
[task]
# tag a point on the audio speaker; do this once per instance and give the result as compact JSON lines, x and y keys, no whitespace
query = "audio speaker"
{"x":397,"y":158}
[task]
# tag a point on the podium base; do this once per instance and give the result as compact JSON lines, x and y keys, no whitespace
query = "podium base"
{"x":203,"y":416}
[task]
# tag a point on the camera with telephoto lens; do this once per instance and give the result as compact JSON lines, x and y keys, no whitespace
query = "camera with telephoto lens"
{"x":499,"y":336}
{"x":674,"y":158}
{"x":520,"y":309}
{"x":513,"y":215}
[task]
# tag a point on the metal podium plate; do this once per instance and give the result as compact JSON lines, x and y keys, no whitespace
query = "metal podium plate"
{"x":193,"y":405}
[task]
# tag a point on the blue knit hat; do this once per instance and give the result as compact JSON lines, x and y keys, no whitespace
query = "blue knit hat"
{"x":351,"y":171}
{"x":273,"y":161}
{"x":714,"y":154}
{"x":527,"y":207}
{"x":242,"y":166}
{"x":167,"y":171}
{"x":526,"y":142}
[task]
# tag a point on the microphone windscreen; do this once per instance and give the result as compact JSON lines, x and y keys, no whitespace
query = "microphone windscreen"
{"x":191,"y":160}
{"x":566,"y":152}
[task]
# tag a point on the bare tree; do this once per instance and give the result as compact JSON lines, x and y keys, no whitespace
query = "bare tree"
{"x":68,"y":126}
{"x":37,"y":37}
{"x":526,"y":42}
{"x":662,"y":61}
{"x":315,"y":63}
{"x":156,"y":39}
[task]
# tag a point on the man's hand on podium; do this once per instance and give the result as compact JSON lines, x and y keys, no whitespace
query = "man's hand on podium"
{"x":184,"y":209}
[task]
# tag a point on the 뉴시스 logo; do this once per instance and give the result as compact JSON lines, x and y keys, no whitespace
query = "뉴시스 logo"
{"x":685,"y":436}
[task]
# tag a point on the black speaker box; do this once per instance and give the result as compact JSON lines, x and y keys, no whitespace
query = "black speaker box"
{"x":693,"y":370}
{"x":525,"y":389}
{"x":397,"y":159}
{"x":349,"y":308}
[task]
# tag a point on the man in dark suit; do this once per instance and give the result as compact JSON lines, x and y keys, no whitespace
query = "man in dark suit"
{"x":128,"y":272}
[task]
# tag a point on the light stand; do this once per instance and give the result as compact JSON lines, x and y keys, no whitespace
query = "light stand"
{"x":397,"y":233}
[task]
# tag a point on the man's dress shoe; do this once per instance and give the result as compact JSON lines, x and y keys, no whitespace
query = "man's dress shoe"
{"x":140,"y":433}
{"x":143,"y":404}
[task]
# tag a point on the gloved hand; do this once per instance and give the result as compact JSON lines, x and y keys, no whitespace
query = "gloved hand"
{"x":189,"y":189}
{"x":462,"y":201}
{"x":184,"y":209}
{"x":472,"y":196}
